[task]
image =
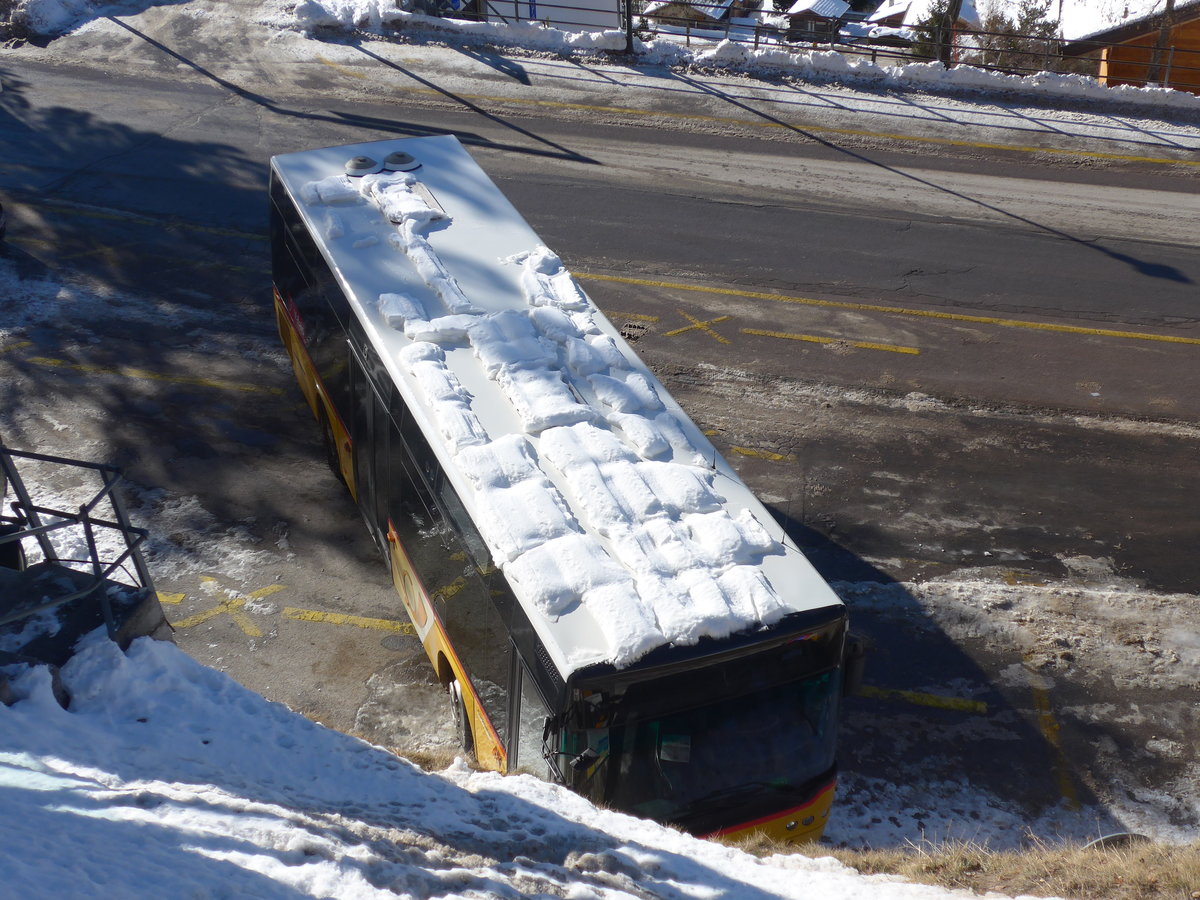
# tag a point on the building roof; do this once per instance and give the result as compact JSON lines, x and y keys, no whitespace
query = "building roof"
{"x":696,"y":10}
{"x":1134,"y":28}
{"x":912,"y":12}
{"x":828,"y":9}
{"x":618,"y":525}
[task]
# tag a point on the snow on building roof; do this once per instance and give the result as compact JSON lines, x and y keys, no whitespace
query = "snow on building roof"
{"x":713,"y":10}
{"x":829,"y":9}
{"x":1134,"y":20}
{"x":913,"y":12}
{"x":614,"y":519}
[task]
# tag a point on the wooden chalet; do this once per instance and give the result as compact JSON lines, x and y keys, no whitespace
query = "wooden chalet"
{"x":1126,"y":54}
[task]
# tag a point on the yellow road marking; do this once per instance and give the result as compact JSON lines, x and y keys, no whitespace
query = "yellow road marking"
{"x":961,"y":704}
{"x":814,"y":339}
{"x":810,"y":129}
{"x":702,"y":326}
{"x":1050,"y":731}
{"x":638,"y":317}
{"x":895,"y":310}
{"x":128,"y":372}
{"x":181,"y":261}
{"x":1014,"y":578}
{"x":172,"y":599}
{"x":345,"y":70}
{"x":234,"y":606}
{"x":328,"y":618}
{"x":762,"y":454}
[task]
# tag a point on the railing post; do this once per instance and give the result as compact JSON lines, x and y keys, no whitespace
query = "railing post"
{"x":628,"y":26}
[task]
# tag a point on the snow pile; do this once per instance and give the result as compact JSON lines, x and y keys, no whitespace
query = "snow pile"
{"x":55,"y":16}
{"x":1079,"y":18}
{"x":165,"y":776}
{"x":817,"y":65}
{"x":624,"y":522}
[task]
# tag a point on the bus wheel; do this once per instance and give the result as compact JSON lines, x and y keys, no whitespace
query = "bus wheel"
{"x":458,"y":710}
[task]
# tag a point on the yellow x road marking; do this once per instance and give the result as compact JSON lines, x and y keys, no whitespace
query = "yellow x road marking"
{"x":702,"y":326}
{"x":232,"y":605}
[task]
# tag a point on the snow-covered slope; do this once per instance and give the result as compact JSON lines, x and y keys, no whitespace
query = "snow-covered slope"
{"x":165,"y":778}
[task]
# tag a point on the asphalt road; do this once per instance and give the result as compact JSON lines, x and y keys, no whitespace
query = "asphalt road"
{"x":928,"y":355}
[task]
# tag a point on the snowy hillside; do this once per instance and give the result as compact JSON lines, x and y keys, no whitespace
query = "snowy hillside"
{"x":166,"y":778}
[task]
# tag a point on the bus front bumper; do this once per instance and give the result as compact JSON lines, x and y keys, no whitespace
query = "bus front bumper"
{"x":798,"y":825}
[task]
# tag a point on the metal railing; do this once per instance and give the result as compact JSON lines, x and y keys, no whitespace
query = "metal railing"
{"x":693,"y":21}
{"x":91,"y":578}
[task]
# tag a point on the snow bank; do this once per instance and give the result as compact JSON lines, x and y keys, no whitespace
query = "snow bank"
{"x":817,"y":65}
{"x":165,"y":776}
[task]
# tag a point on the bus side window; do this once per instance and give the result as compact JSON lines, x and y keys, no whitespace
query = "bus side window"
{"x":423,"y":455}
{"x":287,"y":272}
{"x":531,"y":716}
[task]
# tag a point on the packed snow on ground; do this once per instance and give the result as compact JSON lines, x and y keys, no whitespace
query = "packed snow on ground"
{"x":166,"y":778}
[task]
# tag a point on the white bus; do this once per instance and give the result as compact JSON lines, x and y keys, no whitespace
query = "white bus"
{"x":606,"y":603}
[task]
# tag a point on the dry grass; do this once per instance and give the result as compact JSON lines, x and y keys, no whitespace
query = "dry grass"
{"x":436,"y":760}
{"x":1138,"y":871}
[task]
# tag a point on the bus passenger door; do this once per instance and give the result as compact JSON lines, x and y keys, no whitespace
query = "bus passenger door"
{"x":368,"y":430}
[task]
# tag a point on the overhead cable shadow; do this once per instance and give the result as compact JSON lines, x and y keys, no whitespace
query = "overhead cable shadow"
{"x":1141,"y":266}
{"x":509,"y":67}
{"x":386,"y":126}
{"x":562,"y":151}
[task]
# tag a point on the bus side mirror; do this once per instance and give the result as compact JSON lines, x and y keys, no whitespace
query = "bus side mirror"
{"x":854,"y":663}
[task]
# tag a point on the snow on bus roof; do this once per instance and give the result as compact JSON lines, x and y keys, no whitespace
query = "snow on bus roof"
{"x":614,"y":519}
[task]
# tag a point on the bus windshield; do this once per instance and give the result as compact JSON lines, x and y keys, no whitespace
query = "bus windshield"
{"x":755,"y":735}
{"x":742,"y":751}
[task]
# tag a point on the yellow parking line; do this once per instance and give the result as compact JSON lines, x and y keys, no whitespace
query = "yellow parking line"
{"x":345,"y":70}
{"x":128,"y":372}
{"x":1048,"y":725}
{"x":637,"y":317}
{"x":961,"y":704}
{"x":762,"y":454}
{"x":233,"y":606}
{"x":896,"y":310}
{"x":181,"y":261}
{"x":814,"y":339}
{"x":18,"y":345}
{"x":701,"y":326}
{"x":328,"y":618}
{"x":110,"y":215}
